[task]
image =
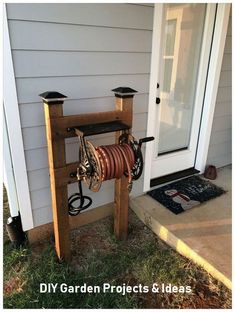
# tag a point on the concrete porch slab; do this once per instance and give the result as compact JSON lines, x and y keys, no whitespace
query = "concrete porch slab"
{"x":202,"y":234}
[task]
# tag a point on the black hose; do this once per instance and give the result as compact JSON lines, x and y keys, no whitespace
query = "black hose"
{"x":75,"y":210}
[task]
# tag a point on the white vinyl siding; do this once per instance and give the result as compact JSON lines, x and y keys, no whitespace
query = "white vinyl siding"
{"x":220,"y":149}
{"x":82,"y":51}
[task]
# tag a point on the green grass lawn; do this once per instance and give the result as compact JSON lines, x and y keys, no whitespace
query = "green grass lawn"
{"x":98,"y":258}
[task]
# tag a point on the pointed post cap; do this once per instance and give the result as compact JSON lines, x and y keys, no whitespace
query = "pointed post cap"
{"x":124,"y":92}
{"x":53,"y":97}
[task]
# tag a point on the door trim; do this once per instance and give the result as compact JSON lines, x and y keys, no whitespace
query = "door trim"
{"x":214,"y":67}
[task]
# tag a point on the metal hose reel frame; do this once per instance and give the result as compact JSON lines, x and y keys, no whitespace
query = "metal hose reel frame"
{"x":127,"y":160}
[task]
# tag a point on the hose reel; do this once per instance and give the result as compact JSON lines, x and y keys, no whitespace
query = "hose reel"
{"x":102,"y":163}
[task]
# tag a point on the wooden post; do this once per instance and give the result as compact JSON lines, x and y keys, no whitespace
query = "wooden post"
{"x":124,"y":102}
{"x":53,"y":108}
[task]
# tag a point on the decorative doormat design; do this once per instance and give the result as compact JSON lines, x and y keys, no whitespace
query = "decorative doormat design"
{"x":185,"y":194}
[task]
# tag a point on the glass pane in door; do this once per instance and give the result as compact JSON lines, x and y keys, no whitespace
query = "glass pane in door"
{"x":183,"y":32}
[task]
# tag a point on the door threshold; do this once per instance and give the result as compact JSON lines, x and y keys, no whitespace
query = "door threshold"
{"x":173,"y":176}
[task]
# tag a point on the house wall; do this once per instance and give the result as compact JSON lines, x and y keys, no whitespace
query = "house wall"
{"x":82,"y":51}
{"x":220,"y":149}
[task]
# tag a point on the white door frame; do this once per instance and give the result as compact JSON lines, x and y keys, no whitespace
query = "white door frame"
{"x":217,"y":52}
{"x":16,"y":147}
{"x":216,"y":56}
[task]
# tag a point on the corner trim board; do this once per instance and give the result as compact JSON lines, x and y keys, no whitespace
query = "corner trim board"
{"x":16,"y":147}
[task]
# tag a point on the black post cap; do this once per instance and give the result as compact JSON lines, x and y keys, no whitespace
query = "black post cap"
{"x":53,"y":97}
{"x":124,"y":92}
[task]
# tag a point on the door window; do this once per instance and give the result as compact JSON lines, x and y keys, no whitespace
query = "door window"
{"x":182,"y":40}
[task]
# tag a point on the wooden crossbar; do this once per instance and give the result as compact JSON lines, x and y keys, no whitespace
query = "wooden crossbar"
{"x":62,"y":126}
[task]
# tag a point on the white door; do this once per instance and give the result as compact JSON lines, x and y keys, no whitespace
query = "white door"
{"x":182,"y":40}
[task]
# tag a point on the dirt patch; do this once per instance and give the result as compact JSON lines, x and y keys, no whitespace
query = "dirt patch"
{"x":201,"y":298}
{"x":14,"y":284}
{"x":88,"y":239}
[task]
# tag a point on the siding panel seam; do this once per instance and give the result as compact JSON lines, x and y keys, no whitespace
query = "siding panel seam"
{"x":80,"y":25}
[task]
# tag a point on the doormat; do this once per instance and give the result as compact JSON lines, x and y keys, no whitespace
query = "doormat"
{"x":185,"y":194}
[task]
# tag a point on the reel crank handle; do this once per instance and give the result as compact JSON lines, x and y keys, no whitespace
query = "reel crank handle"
{"x":145,"y":140}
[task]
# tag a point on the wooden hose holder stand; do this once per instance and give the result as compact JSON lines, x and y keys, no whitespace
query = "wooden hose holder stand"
{"x":58,"y":128}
